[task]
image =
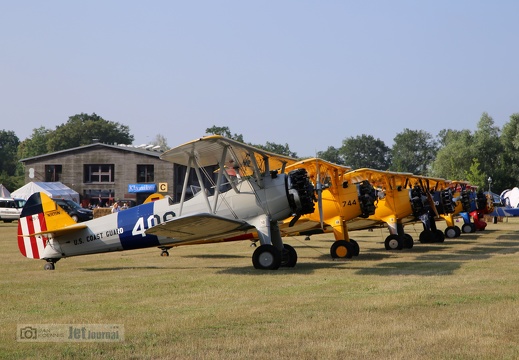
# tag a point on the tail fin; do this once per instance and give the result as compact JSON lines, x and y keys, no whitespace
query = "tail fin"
{"x":40,"y":216}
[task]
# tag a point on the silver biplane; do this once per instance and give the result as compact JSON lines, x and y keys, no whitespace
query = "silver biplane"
{"x":251,"y":194}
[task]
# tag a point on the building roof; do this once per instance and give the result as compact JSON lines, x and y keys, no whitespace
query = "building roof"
{"x":149,"y":150}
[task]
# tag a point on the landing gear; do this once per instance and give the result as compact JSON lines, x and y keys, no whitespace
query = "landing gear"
{"x":452,"y":232}
{"x":341,"y":249}
{"x":49,"y":266}
{"x":289,"y":258}
{"x":164,"y":252}
{"x":408,"y":241}
{"x":356,"y":247}
{"x":432,"y":236}
{"x":266,"y":257}
{"x":468,"y":228}
{"x":394,"y":242}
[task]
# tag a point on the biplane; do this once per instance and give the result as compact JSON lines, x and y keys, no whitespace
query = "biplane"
{"x":340,"y":200}
{"x":475,"y":205}
{"x":252,"y":193}
{"x":402,"y":198}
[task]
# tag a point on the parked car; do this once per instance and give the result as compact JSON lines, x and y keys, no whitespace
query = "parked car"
{"x":75,"y":210}
{"x":10,"y":209}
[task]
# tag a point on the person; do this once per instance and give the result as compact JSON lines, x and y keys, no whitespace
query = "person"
{"x":124,"y":207}
{"x":115,"y":208}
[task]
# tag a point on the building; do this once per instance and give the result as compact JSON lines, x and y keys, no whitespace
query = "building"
{"x":103,"y":173}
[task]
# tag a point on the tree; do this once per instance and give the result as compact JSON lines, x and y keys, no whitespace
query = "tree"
{"x":454,"y":159}
{"x":475,"y":176}
{"x":161,"y":141}
{"x":365,"y":151}
{"x":413,"y":151}
{"x":331,"y":154}
{"x":509,"y":140}
{"x":82,"y":129}
{"x":10,"y":168}
{"x":224,"y":131}
{"x":489,"y":150}
{"x":277,"y":149}
{"x":36,"y":144}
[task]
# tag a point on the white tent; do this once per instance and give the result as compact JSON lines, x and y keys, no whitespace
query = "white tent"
{"x":55,"y":190}
{"x":4,"y":193}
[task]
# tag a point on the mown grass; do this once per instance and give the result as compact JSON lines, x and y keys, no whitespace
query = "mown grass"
{"x":456,"y":300}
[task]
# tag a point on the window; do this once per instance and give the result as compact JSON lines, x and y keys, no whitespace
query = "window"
{"x":53,"y":173}
{"x":145,"y":174}
{"x":99,"y":173}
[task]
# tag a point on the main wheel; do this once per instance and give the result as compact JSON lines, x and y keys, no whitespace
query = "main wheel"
{"x":394,"y":242}
{"x":467,"y":228}
{"x":408,"y":241}
{"x":458,"y":231}
{"x":266,"y":257}
{"x":356,"y":247}
{"x":450,"y":232}
{"x":426,"y":237}
{"x":341,"y":249}
{"x":289,"y":258}
{"x":439,"y":236}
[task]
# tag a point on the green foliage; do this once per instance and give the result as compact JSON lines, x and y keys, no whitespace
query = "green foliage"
{"x":332,"y":155}
{"x":224,"y":131}
{"x":475,"y":176}
{"x":36,"y":144}
{"x":453,"y":159}
{"x":9,"y":143}
{"x":413,"y":151}
{"x":277,"y":149}
{"x":82,"y":129}
{"x":365,"y":152}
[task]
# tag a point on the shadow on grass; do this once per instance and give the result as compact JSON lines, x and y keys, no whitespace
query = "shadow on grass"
{"x":300,"y":268}
{"x":421,"y":268}
{"x":216,"y":256}
{"x":118,"y":268}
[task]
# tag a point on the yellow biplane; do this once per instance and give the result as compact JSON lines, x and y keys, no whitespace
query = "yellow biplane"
{"x":340,"y":199}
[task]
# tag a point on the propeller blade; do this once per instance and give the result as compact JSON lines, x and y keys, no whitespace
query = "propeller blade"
{"x":320,"y":196}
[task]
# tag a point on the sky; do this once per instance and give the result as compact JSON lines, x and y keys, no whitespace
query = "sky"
{"x":308,"y":74}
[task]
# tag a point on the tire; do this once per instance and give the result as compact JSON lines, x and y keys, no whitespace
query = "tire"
{"x":450,"y":232}
{"x":394,"y":242}
{"x":426,"y":237}
{"x":466,"y":228}
{"x":439,"y":236}
{"x":75,"y":218}
{"x":266,"y":257}
{"x":408,"y":241}
{"x":49,"y":266}
{"x":356,"y":247}
{"x":289,"y":258}
{"x":341,"y":249}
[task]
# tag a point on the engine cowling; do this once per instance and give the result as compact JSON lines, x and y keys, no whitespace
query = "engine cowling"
{"x":300,"y":191}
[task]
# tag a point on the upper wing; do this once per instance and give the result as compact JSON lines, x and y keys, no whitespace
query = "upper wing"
{"x":200,"y":227}
{"x":216,"y":149}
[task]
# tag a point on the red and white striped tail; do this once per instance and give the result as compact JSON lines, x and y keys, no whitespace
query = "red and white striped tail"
{"x":32,"y":246}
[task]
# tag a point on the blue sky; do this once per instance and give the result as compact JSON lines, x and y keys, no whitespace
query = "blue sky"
{"x":304,"y":73}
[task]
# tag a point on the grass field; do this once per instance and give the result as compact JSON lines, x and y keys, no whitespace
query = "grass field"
{"x":456,"y":300}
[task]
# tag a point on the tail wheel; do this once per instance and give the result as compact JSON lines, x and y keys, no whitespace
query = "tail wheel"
{"x":266,"y":257}
{"x":394,"y":242}
{"x":289,"y":258}
{"x":341,"y":249}
{"x":49,"y":266}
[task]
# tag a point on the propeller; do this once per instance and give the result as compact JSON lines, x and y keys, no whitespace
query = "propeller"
{"x":319,"y":187}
